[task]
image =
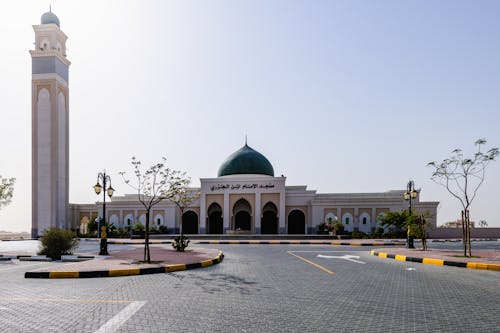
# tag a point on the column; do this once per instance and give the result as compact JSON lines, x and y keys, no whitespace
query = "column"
{"x":373,"y":222}
{"x":203,"y":214}
{"x":226,"y":213}
{"x":356,"y":219}
{"x":257,"y":214}
{"x":282,"y":221}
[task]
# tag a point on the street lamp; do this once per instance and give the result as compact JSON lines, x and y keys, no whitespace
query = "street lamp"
{"x":104,"y":179}
{"x":409,"y":194}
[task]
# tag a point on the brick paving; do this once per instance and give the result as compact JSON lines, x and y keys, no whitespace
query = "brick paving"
{"x":261,"y":288}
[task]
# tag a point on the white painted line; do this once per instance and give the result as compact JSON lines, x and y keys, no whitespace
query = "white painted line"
{"x":345,"y":257}
{"x":22,"y":266}
{"x":120,"y":318}
{"x":317,"y":251}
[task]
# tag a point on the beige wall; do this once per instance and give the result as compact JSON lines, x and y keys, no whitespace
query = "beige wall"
{"x":217,"y":198}
{"x":270,"y":197}
{"x":233,"y":198}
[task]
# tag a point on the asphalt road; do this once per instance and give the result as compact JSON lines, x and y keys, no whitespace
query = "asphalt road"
{"x":259,"y":288}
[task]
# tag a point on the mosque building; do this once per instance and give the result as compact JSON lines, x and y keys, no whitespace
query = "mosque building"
{"x":245,"y":198}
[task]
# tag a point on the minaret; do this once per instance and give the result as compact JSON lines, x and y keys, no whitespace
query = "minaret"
{"x":50,"y":134}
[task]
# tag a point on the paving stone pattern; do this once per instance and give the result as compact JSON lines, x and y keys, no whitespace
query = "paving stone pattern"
{"x":261,"y":289}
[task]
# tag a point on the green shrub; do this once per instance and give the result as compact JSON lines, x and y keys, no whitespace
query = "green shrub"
{"x":56,"y":242}
{"x":180,"y":243}
{"x":138,"y":227}
{"x":163,"y":229}
{"x":358,"y":234}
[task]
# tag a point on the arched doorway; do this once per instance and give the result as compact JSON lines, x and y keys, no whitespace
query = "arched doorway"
{"x":190,"y":222}
{"x":296,"y":222}
{"x":242,"y":212}
{"x":269,"y":222}
{"x":215,"y":225}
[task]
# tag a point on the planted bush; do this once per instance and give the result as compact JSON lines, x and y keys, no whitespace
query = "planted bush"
{"x":180,"y":243}
{"x":56,"y":242}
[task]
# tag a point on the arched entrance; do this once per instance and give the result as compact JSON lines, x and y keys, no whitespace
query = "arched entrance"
{"x":190,"y":222}
{"x":215,"y":225}
{"x":296,"y":222}
{"x":242,"y":212}
{"x":269,"y":222}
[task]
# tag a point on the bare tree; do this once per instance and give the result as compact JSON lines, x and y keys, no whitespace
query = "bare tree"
{"x":6,"y":190}
{"x":154,"y":185}
{"x":462,"y":177}
{"x":483,"y":223}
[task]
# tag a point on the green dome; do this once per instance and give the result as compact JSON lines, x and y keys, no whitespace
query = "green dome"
{"x":49,"y":18}
{"x":246,"y":161}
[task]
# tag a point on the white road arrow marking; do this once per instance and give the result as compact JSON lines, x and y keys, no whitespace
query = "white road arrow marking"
{"x":345,"y":257}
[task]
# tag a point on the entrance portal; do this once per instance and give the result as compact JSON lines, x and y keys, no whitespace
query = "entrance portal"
{"x":296,"y":222}
{"x":190,"y":222}
{"x":215,"y":225}
{"x":242,"y":215}
{"x":269,"y":222}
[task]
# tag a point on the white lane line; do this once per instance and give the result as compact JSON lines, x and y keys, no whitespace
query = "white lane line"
{"x":120,"y":318}
{"x":345,"y":257}
{"x":22,"y":266}
{"x":318,"y":251}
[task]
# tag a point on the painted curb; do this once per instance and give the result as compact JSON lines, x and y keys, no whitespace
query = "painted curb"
{"x":123,"y":272}
{"x":438,"y":262}
{"x":268,"y":243}
{"x":66,"y":258}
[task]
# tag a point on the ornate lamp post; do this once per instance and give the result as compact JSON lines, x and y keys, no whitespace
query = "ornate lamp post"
{"x":104,"y":179}
{"x":409,"y":194}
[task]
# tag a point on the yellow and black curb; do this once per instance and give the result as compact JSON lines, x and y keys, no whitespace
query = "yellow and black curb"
{"x":123,"y":272}
{"x":439,"y":262}
{"x":236,"y":242}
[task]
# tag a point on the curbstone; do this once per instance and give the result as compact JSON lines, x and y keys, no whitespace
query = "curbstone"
{"x":438,"y":262}
{"x":124,"y":272}
{"x":34,"y":258}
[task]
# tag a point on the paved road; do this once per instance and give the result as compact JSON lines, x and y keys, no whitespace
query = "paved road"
{"x":260,"y":288}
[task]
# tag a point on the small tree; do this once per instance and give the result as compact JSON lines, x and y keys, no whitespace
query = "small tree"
{"x":153,"y":186}
{"x":483,"y":223}
{"x":6,"y":190}
{"x":462,"y":177}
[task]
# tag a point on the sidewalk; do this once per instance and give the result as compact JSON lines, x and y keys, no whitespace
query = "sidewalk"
{"x":123,"y":263}
{"x":482,"y":259}
{"x":346,"y":242}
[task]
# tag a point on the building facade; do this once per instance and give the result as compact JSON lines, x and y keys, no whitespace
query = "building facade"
{"x":246,"y":198}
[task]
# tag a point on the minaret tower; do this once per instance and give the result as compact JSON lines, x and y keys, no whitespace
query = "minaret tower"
{"x":50,"y":134}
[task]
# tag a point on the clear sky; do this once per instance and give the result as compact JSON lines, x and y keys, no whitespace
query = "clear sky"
{"x":341,"y":96}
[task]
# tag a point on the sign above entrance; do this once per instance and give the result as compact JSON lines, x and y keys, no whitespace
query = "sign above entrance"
{"x":240,"y":186}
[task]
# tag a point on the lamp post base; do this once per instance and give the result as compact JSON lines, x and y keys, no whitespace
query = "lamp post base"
{"x":104,"y":247}
{"x":409,"y":242}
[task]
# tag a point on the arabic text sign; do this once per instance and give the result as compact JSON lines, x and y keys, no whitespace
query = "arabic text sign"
{"x":248,"y":186}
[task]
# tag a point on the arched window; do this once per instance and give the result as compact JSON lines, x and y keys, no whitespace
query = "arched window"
{"x":348,"y":222}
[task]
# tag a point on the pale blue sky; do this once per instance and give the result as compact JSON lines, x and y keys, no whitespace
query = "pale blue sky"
{"x":342,"y":96}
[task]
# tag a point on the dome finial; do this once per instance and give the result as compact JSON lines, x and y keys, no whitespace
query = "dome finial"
{"x":246,"y":140}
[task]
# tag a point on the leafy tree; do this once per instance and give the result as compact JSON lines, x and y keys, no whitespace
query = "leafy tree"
{"x":399,"y":220}
{"x":462,"y":177}
{"x":6,"y":190}
{"x":417,"y":224}
{"x":154,"y":185}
